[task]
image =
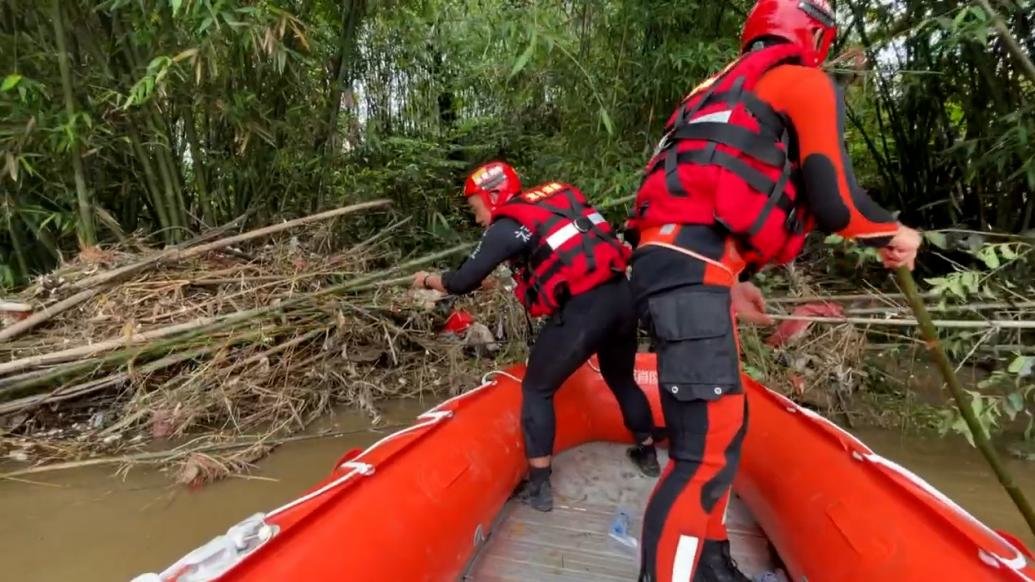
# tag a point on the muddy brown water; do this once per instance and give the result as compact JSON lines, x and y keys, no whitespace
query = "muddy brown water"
{"x":86,"y":525}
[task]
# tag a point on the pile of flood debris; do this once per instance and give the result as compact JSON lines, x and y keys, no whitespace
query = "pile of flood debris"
{"x":201,"y":357}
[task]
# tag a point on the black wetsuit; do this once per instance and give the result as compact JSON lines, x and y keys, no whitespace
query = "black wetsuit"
{"x":601,"y":321}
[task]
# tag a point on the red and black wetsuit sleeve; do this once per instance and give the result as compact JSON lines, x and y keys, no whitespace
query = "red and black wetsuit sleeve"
{"x":503,"y":240}
{"x":815,"y":106}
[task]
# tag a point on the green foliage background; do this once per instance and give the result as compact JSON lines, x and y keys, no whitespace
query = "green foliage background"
{"x":174,"y":115}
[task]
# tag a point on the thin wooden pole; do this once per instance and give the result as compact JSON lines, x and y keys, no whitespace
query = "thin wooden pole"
{"x":1000,"y":306}
{"x":840,"y":298}
{"x":981,"y":438}
{"x":948,"y":323}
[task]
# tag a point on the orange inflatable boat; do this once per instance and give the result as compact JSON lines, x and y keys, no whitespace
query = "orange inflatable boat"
{"x":430,"y":502}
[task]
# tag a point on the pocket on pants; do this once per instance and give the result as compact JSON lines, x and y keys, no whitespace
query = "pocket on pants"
{"x":697,"y":350}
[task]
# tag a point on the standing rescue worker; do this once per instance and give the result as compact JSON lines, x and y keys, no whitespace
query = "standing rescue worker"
{"x":570,"y":268}
{"x":752,"y":160}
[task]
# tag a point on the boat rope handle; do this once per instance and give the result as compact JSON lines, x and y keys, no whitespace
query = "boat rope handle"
{"x":489,"y":375}
{"x":356,"y":467}
{"x":365,"y":469}
{"x":1014,"y":564}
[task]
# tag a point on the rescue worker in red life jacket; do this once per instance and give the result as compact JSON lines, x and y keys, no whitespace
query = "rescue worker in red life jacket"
{"x":570,"y":268}
{"x":752,"y":160}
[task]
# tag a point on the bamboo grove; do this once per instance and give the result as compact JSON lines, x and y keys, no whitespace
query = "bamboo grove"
{"x":163,"y":117}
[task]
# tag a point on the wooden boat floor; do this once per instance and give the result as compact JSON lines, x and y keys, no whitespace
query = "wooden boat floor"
{"x":591,"y":483}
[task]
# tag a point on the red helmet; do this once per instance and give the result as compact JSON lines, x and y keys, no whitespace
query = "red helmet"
{"x":807,"y":23}
{"x":495,"y":183}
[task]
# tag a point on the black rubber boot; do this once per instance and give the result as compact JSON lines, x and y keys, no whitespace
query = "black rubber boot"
{"x":537,"y":492}
{"x":717,"y":564}
{"x":645,"y":457}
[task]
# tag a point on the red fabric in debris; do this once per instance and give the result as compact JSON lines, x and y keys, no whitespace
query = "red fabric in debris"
{"x":791,"y":331}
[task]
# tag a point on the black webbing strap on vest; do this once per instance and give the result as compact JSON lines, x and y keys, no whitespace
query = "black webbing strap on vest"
{"x":739,"y":138}
{"x":542,"y":251}
{"x":758,"y":145}
{"x":771,"y":125}
{"x":778,"y":193}
{"x":754,"y":178}
{"x":668,"y":142}
{"x":574,"y":213}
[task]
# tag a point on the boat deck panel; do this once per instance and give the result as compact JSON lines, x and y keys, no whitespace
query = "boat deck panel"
{"x":571,"y":543}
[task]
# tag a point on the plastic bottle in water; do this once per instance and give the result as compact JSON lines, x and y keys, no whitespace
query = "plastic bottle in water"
{"x":620,"y":529}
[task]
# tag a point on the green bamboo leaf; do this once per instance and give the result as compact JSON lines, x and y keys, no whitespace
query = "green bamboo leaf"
{"x":176,"y":4}
{"x":1019,"y":363}
{"x":937,"y":239}
{"x":525,"y":55}
{"x":10,"y":82}
{"x":989,"y":256}
{"x":1016,"y":401}
{"x":956,"y":286}
{"x":604,"y":117}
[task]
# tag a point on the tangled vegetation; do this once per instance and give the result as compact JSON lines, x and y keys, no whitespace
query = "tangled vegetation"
{"x":135,"y":124}
{"x":166,"y":116}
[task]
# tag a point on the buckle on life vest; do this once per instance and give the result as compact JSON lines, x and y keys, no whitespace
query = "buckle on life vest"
{"x":663,"y":143}
{"x":582,"y":224}
{"x":793,"y":223}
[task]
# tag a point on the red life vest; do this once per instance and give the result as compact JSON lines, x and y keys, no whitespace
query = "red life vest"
{"x":727,"y":159}
{"x":574,"y":248}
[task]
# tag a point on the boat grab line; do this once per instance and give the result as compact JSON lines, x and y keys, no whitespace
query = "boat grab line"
{"x":1014,"y":564}
{"x":428,"y":419}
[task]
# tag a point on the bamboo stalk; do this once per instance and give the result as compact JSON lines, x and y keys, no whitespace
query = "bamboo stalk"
{"x":842,"y":298}
{"x":204,"y":324}
{"x":996,"y":349}
{"x":152,"y":261}
{"x":956,"y":324}
{"x":166,"y":170}
{"x":977,"y":431}
{"x":20,"y":327}
{"x":381,"y":277}
{"x":150,"y":180}
{"x":43,"y":375}
{"x":91,"y":287}
{"x":273,"y":229}
{"x":87,"y":231}
{"x":943,"y":308}
{"x":92,"y":386}
{"x":163,"y":456}
{"x":1012,"y":46}
{"x":174,"y":254}
{"x":210,"y":324}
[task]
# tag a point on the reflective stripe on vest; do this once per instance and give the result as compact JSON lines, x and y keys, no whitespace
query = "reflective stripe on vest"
{"x":571,"y":230}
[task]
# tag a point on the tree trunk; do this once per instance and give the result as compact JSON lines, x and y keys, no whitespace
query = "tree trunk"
{"x":205,"y":203}
{"x":353,"y":12}
{"x":87,"y":231}
{"x":150,"y":180}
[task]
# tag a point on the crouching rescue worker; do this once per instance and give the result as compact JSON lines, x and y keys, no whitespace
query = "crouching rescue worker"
{"x":752,"y":161}
{"x":570,"y":268}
